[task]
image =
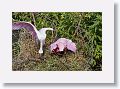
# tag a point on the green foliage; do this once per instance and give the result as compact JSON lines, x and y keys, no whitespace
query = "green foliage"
{"x":92,"y":23}
{"x":84,"y":28}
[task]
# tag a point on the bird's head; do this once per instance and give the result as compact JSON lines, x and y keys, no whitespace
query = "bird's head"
{"x":49,"y":29}
{"x":43,"y":30}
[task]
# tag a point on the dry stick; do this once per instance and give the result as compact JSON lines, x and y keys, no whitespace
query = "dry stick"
{"x":33,"y":19}
{"x":78,"y":27}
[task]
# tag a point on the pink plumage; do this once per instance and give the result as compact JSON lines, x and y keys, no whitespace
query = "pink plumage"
{"x":61,"y":44}
{"x":71,"y":46}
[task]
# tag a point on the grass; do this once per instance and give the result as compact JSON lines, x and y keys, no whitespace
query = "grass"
{"x":85,"y":29}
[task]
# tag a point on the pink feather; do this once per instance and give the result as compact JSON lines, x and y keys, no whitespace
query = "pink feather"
{"x":71,"y":46}
{"x":61,"y":44}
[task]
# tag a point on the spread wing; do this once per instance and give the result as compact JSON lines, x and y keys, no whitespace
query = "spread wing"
{"x":71,"y":46}
{"x":26,"y":25}
{"x":63,"y":43}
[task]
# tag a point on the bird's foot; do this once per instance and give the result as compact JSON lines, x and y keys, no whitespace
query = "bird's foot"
{"x":40,"y":51}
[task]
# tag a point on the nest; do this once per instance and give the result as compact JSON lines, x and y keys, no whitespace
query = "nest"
{"x":24,"y":47}
{"x":26,"y":57}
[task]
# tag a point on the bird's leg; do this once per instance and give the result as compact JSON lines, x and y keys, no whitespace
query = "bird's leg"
{"x":41,"y":51}
{"x":43,"y":42}
{"x":41,"y":47}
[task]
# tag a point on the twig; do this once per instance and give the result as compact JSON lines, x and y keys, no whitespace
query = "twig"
{"x":33,"y":19}
{"x":78,"y":27}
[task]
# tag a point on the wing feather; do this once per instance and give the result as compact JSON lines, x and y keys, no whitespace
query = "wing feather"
{"x":71,"y":46}
{"x":24,"y":25}
{"x":28,"y":26}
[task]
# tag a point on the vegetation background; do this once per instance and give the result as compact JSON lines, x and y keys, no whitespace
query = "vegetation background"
{"x":83,"y":28}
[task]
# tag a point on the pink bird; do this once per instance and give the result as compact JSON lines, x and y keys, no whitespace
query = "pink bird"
{"x":61,"y":45}
{"x":38,"y":35}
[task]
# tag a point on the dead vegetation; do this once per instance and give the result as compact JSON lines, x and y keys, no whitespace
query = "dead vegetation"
{"x":27,"y":57}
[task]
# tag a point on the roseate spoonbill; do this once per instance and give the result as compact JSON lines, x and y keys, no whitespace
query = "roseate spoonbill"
{"x":61,"y":44}
{"x":39,"y":35}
